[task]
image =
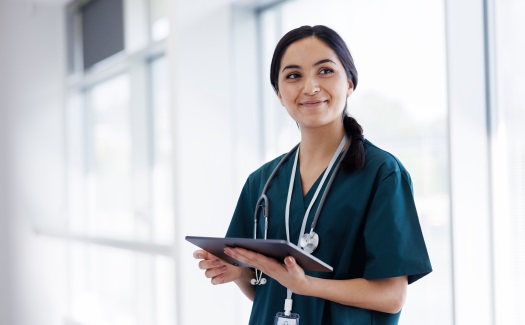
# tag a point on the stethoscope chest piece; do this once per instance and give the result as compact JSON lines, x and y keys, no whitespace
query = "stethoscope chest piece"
{"x":309,"y":242}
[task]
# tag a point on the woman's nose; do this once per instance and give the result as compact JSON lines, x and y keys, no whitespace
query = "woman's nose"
{"x":311,"y":86}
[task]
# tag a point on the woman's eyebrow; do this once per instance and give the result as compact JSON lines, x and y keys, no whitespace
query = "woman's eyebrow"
{"x":323,"y":61}
{"x":291,"y":66}
{"x":295,"y":66}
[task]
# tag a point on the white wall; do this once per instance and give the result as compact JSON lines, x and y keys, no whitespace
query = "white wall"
{"x":4,"y":232}
{"x":4,"y":227}
{"x":4,"y":241}
{"x":31,"y":38}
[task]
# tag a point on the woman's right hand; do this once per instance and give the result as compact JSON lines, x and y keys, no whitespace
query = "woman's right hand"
{"x":222,"y":272}
{"x":216,"y":269}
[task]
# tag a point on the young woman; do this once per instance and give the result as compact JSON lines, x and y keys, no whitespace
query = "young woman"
{"x":366,"y":225}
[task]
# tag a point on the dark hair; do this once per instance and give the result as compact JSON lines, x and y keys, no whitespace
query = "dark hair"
{"x":355,"y":155}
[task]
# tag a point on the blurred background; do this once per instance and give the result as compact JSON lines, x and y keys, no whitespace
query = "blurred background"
{"x":126,"y":125}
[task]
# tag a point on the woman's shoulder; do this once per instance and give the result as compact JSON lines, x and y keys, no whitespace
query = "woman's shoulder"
{"x":262,"y":173}
{"x":381,"y":160}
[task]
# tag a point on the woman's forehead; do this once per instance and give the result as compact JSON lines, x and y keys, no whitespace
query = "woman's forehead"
{"x":309,"y":49}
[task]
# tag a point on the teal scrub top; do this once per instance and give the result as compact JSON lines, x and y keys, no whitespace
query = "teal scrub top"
{"x":368,"y":228}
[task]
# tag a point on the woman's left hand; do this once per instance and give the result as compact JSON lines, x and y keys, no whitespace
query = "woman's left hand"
{"x":289,"y":274}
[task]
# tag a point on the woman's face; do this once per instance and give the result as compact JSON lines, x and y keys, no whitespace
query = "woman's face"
{"x":313,"y":85}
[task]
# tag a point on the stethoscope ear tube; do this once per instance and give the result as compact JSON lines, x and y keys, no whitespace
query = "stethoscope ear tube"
{"x":263,"y":203}
{"x":325,"y":193}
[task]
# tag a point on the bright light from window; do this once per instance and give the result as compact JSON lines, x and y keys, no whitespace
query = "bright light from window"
{"x":110,"y":167}
{"x":509,"y":163}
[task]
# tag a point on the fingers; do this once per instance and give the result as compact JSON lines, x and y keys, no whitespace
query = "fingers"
{"x":259,"y":261}
{"x":223,"y":273}
{"x":216,"y":269}
{"x":208,"y":260}
{"x":206,"y":264}
{"x":289,"y":274}
{"x":202,"y":254}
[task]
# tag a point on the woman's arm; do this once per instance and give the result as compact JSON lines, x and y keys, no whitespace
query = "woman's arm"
{"x":384,"y":295}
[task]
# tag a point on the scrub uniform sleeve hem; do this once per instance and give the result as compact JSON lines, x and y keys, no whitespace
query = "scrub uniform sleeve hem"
{"x":413,"y":275}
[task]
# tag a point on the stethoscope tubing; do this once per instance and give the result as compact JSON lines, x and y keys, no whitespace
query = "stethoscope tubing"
{"x":325,"y":193}
{"x":264,"y":198}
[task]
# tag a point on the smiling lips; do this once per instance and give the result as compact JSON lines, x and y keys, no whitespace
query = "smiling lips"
{"x":313,"y":103}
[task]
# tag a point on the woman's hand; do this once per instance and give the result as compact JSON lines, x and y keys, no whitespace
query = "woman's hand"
{"x":216,"y":269}
{"x":221,"y":272}
{"x":289,"y":274}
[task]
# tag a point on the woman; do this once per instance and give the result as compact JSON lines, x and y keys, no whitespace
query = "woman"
{"x":367,"y":225}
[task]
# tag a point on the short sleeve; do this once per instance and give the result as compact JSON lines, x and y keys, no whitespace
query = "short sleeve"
{"x":394,"y":241}
{"x":241,"y":224}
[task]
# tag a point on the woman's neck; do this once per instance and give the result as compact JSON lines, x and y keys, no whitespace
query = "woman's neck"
{"x":320,"y":143}
{"x":317,"y":149}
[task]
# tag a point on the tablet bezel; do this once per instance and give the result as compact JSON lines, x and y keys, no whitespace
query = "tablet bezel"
{"x":275,"y":248}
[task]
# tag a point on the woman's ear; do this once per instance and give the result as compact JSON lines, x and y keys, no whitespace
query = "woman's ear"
{"x":350,"y":88}
{"x":280,"y":98}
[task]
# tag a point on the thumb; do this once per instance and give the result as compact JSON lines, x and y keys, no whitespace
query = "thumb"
{"x":290,"y":262}
{"x":292,"y":266}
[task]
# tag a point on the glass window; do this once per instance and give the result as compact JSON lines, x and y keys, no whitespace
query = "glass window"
{"x":109,"y":285}
{"x":400,"y":101}
{"x":162,"y":176}
{"x":114,"y":286}
{"x":119,"y":176}
{"x":158,"y":20}
{"x":110,"y":164}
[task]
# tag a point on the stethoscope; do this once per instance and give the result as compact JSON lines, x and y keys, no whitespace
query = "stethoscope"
{"x":307,"y":241}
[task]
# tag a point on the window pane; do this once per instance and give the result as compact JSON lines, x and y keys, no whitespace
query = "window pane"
{"x":76,"y":163}
{"x":114,"y":286}
{"x":509,"y":163}
{"x":400,"y":101}
{"x":159,"y":20}
{"x":104,"y":285}
{"x":110,"y":164}
{"x":162,"y":177}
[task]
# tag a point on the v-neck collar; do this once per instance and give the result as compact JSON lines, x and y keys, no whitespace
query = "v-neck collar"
{"x":298,"y":189}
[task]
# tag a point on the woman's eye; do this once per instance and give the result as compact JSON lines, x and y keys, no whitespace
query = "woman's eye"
{"x":326,"y":71}
{"x":293,"y":76}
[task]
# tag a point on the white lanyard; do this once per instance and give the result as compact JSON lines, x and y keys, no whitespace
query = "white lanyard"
{"x":288,"y":301}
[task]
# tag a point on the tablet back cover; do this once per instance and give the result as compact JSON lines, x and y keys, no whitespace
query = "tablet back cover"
{"x":276,"y":248}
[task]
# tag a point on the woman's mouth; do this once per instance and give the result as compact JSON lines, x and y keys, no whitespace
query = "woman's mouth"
{"x":313,"y":103}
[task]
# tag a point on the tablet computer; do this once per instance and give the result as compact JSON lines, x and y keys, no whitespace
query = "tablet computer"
{"x":275,"y":248}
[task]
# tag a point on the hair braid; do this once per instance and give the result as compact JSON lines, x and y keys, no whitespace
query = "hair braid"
{"x":355,"y":155}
